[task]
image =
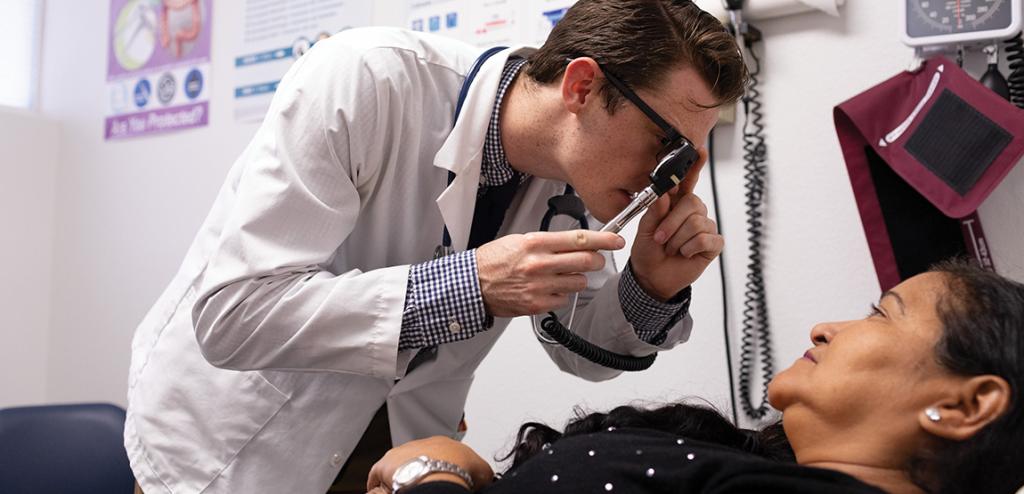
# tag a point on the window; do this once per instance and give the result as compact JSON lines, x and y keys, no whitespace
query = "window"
{"x":20,"y":28}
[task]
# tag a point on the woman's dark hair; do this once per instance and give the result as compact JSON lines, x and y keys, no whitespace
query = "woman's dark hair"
{"x":640,"y":41}
{"x":982,"y":315}
{"x":693,"y":421}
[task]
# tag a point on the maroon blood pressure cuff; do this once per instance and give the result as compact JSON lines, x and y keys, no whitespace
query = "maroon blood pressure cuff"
{"x":923,"y":151}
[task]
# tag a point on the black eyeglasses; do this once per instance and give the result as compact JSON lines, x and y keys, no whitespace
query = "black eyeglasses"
{"x":672,"y":136}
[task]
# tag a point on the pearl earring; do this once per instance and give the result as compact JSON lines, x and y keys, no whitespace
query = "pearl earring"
{"x":933,"y":414}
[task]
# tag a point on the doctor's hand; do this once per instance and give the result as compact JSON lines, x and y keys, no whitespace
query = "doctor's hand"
{"x":536,"y":272}
{"x":675,"y":241}
{"x":437,"y":448}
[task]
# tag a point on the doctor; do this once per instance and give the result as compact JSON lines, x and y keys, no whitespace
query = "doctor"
{"x":309,"y":316}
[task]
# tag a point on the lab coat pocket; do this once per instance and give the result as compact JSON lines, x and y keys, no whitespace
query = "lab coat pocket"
{"x":193,"y":418}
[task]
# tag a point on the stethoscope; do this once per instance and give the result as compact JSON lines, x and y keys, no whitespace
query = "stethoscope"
{"x":669,"y":172}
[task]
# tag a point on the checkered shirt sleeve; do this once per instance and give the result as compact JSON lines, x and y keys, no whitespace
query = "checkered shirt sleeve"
{"x":443,"y":303}
{"x":651,"y":319}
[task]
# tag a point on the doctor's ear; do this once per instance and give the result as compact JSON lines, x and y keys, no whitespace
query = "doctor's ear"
{"x":978,"y":401}
{"x":580,"y":83}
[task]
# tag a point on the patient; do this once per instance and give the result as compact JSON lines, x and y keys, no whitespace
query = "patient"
{"x":922,"y":395}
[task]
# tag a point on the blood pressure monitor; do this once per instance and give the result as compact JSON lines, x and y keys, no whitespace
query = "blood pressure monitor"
{"x":943,"y":22}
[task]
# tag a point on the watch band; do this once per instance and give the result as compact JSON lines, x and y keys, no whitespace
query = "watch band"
{"x":429,"y":466}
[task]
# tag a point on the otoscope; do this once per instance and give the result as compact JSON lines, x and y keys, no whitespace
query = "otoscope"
{"x":671,"y":170}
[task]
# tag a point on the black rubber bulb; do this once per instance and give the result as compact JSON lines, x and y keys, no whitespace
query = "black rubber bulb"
{"x":995,"y":81}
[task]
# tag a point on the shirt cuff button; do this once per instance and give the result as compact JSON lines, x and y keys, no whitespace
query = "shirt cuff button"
{"x":454,"y":326}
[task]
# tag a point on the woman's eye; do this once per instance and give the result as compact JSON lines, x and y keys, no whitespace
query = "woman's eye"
{"x":875,"y":311}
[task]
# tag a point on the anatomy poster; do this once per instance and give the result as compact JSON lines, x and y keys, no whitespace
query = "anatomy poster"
{"x":278,"y":32}
{"x":158,"y":66}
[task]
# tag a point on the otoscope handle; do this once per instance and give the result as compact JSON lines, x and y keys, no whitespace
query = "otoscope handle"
{"x":640,"y":203}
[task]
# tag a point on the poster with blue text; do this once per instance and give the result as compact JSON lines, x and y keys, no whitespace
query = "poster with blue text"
{"x":275,"y":33}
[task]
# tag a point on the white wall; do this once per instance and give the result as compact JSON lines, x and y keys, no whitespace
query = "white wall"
{"x":28,"y":144}
{"x":127,"y":212}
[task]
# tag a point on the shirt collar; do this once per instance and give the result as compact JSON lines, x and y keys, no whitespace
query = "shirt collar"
{"x":495,"y":168}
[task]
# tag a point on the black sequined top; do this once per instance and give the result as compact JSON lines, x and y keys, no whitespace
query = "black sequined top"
{"x":644,"y":461}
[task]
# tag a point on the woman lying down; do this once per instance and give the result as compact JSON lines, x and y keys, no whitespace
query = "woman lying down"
{"x":922,"y":395}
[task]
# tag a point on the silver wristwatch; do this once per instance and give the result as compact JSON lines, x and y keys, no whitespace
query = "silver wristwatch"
{"x":410,"y":472}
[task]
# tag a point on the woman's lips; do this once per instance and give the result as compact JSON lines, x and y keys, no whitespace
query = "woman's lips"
{"x":808,"y":356}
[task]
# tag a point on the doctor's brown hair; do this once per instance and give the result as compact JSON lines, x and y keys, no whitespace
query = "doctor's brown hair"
{"x":640,"y":41}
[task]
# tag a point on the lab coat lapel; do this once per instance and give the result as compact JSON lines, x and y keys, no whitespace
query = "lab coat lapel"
{"x":462,"y":152}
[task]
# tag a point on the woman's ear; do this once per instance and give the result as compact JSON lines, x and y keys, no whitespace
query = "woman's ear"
{"x":977,"y":402}
{"x":579,"y":83}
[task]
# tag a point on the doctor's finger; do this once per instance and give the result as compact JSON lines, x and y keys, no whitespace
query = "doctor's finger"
{"x":576,"y":262}
{"x":568,"y":283}
{"x":694,"y":225}
{"x":706,"y":245}
{"x":574,"y":240}
{"x":693,"y":174}
{"x":685,"y":207}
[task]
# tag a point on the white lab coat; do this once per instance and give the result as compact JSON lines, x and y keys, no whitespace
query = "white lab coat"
{"x":261,"y":364}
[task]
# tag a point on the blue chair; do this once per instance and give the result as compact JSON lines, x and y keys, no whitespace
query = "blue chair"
{"x":64,"y":449}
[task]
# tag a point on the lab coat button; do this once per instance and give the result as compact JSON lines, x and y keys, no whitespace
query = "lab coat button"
{"x":454,"y":326}
{"x":336,"y":459}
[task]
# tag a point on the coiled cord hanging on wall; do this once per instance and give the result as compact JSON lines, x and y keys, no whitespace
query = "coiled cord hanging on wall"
{"x":755,"y":337}
{"x":1015,"y":58}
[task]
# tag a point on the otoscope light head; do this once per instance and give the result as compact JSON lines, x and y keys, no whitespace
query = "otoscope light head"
{"x":673,"y":167}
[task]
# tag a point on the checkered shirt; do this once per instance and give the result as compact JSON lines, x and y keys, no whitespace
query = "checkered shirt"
{"x":496,"y":170}
{"x":443,"y":302}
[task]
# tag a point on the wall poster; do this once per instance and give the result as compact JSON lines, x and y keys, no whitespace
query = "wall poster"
{"x":278,"y":32}
{"x":158,"y":66}
{"x":488,"y":23}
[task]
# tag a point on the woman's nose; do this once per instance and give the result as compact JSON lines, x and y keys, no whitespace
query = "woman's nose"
{"x":822,"y":333}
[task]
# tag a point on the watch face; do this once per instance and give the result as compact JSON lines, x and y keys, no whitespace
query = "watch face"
{"x":944,"y":17}
{"x":410,"y":471}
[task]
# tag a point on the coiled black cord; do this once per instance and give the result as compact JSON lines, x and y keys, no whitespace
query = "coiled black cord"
{"x":755,"y":340}
{"x":592,"y":352}
{"x":1015,"y":58}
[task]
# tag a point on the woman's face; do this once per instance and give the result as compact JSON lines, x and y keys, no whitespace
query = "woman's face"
{"x":869,"y":376}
